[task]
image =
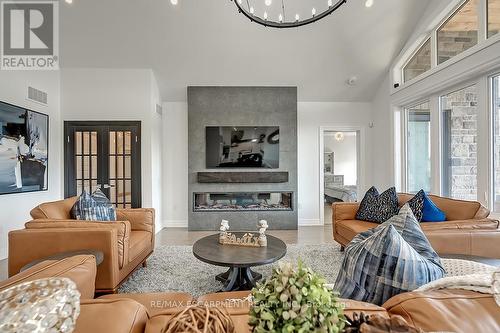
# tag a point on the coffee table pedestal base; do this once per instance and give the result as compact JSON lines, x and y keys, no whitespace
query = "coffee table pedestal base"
{"x":238,"y":278}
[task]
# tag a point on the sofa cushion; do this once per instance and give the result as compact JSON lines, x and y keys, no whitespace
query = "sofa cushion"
{"x":81,"y":269}
{"x":93,"y":207}
{"x":157,"y":303}
{"x":381,"y":263}
{"x":117,"y":316}
{"x":417,"y":205}
{"x":139,"y":241}
{"x":431,"y":212}
{"x":447,"y":311}
{"x":377,"y":207}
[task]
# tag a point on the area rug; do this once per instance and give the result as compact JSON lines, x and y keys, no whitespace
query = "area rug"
{"x":174,"y":268}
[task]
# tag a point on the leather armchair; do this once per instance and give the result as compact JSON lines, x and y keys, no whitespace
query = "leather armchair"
{"x":467,"y":231}
{"x":125,"y":243}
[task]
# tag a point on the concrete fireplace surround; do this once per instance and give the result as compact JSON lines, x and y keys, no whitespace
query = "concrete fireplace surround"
{"x":242,"y":106}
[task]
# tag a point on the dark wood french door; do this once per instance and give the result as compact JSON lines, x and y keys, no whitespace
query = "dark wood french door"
{"x":106,"y":156}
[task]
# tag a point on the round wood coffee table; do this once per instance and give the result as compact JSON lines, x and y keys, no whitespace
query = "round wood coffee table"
{"x":239,"y":259}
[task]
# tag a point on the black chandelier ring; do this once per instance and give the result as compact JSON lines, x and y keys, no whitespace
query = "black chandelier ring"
{"x":287,"y":24}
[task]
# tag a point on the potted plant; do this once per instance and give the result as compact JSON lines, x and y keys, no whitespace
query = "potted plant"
{"x":295,"y":300}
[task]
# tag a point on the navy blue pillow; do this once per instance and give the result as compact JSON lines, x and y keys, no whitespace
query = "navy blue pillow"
{"x":377,"y":207}
{"x":95,"y":207}
{"x":431,"y":212}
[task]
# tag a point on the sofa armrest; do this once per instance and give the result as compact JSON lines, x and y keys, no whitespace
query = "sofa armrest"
{"x":80,"y":269}
{"x":141,"y":219}
{"x":122,"y":228}
{"x":438,"y":311}
{"x":28,"y":245}
{"x":344,"y":211}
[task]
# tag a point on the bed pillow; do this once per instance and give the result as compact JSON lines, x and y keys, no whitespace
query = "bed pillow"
{"x":93,"y":207}
{"x":377,"y":207}
{"x":417,"y":204}
{"x":431,"y":212}
{"x":390,"y":259}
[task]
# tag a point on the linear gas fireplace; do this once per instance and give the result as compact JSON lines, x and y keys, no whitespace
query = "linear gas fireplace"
{"x":243,"y":201}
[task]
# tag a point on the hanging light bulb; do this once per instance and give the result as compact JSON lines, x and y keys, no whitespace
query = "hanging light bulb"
{"x":280,"y":18}
{"x":330,"y":3}
{"x":173,"y":2}
{"x":314,"y":11}
{"x":269,"y":2}
{"x":369,"y":3}
{"x":252,"y":10}
{"x":297,"y":17}
{"x":339,"y":136}
{"x":239,"y":2}
{"x":265,"y":16}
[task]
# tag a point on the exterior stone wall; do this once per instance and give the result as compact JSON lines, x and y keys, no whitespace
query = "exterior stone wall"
{"x":452,"y":43}
{"x":463,"y":143}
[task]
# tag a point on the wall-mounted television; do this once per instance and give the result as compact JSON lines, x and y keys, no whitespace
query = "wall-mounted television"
{"x":242,"y":147}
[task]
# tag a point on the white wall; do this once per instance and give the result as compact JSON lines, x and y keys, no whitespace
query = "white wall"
{"x":120,"y":94}
{"x":175,"y":166}
{"x":345,"y":155}
{"x":15,"y":208}
{"x":311,"y":117}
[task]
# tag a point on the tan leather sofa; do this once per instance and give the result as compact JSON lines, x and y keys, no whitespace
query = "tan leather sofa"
{"x":125,"y":243}
{"x":437,"y":311}
{"x":467,"y":231}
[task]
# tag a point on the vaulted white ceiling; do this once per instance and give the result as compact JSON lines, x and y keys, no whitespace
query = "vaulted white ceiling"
{"x":206,"y":42}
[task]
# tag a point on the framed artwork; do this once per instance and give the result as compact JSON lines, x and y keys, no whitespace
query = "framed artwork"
{"x":329,"y":160}
{"x":24,"y":150}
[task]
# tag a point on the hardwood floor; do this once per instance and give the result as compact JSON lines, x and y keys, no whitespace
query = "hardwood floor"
{"x":181,"y":236}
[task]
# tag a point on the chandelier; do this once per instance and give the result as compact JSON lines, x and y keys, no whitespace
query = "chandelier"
{"x":282,"y":20}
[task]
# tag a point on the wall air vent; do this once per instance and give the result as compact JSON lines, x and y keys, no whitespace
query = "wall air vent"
{"x":159,"y":109}
{"x":37,"y":95}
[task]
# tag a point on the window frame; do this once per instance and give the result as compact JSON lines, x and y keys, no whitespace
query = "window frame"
{"x":487,"y":21}
{"x":491,"y":141}
{"x":413,"y":55}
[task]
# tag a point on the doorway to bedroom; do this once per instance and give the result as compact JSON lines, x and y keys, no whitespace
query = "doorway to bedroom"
{"x":340,"y":169}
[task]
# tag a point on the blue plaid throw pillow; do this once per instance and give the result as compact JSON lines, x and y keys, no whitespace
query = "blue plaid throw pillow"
{"x":95,"y":207}
{"x":390,"y":259}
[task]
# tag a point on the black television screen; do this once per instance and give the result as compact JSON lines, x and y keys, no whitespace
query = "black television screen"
{"x":243,"y":147}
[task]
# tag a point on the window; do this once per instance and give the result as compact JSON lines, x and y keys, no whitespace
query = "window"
{"x":496,"y":143}
{"x":493,"y":17}
{"x":420,"y":63}
{"x":459,"y":144}
{"x":418,"y":148}
{"x":459,"y":33}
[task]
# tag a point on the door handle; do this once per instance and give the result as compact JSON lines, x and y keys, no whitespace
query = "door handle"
{"x":108,"y":186}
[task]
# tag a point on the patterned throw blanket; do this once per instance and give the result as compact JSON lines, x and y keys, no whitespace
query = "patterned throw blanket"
{"x":467,"y":275}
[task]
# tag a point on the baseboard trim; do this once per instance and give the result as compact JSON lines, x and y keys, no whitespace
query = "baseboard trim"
{"x":175,"y":223}
{"x":310,"y":222}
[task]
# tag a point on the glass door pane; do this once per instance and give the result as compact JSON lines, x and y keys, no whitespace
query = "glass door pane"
{"x":459,"y":144}
{"x":120,"y":166}
{"x":418,"y":148}
{"x":496,"y":142}
{"x":86,"y":150}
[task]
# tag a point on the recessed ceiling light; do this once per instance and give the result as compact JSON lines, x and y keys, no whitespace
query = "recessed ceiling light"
{"x":269,"y":2}
{"x":369,"y":3}
{"x":174,"y":2}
